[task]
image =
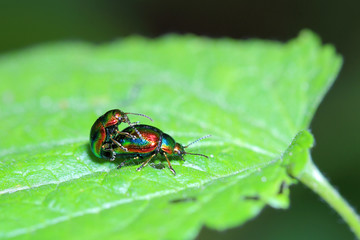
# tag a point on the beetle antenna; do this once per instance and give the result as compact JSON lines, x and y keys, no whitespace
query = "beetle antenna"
{"x":143,"y":115}
{"x":197,"y":141}
{"x":131,"y":125}
{"x":197,"y":154}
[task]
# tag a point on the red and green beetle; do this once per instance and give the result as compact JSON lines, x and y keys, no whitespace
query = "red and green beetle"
{"x":152,"y":143}
{"x":106,"y":127}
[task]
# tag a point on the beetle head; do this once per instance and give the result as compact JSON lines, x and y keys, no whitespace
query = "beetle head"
{"x":120,"y":116}
{"x":113,"y":118}
{"x":179,"y":149}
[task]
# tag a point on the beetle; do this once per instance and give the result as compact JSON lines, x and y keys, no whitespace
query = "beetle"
{"x":106,"y":127}
{"x":152,"y":143}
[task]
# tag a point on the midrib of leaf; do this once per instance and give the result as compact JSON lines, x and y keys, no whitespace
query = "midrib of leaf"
{"x":236,"y":143}
{"x":12,"y":154}
{"x":220,"y":133}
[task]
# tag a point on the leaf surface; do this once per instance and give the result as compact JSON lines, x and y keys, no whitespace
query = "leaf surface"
{"x":252,"y":96}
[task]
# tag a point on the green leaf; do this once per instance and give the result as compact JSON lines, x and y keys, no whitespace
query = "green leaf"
{"x":253,"y":96}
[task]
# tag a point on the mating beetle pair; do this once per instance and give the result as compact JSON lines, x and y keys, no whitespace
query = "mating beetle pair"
{"x":134,"y":142}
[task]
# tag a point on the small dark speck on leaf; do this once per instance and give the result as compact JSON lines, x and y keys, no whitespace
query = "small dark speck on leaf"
{"x":282,"y":187}
{"x":182,"y":200}
{"x":254,"y":198}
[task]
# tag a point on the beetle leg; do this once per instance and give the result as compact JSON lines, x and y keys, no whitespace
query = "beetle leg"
{"x":146,"y":162}
{"x":123,"y":163}
{"x":167,"y":159}
{"x":106,"y":147}
{"x":118,"y":144}
{"x":126,"y":134}
{"x":112,"y":155}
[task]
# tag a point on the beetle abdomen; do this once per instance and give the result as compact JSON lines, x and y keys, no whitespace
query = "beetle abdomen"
{"x":151,"y":138}
{"x":97,"y":137}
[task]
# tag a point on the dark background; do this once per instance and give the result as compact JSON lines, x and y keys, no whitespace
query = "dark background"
{"x":336,"y":126}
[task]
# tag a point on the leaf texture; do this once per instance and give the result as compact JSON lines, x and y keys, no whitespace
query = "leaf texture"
{"x":252,"y":96}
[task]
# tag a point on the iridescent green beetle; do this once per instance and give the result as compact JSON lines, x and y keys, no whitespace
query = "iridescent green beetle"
{"x":154,"y":142}
{"x":105,"y":128}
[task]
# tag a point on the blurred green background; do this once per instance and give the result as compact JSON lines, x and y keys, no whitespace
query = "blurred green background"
{"x":335,"y":126}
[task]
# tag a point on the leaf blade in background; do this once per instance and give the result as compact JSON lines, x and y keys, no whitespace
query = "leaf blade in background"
{"x":252,"y":96}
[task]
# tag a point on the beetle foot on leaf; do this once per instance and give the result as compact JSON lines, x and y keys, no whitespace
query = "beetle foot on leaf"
{"x":172,"y":170}
{"x":112,"y":156}
{"x":121,"y":165}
